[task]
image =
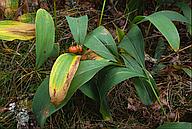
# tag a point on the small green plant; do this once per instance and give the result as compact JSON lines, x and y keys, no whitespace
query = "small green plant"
{"x":100,"y":65}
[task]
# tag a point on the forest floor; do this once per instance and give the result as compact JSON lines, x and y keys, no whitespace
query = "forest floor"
{"x":19,"y":80}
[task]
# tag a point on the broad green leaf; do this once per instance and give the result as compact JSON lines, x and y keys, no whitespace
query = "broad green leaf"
{"x":131,"y":63}
{"x":162,"y":21}
{"x":187,"y":13}
{"x":113,"y":76}
{"x":188,"y":71}
{"x":42,"y":106}
{"x":167,"y":28}
{"x":61,"y":76}
{"x":133,"y":44}
{"x":186,"y":9}
{"x":176,"y":125}
{"x":45,"y":36}
{"x":90,"y":90}
{"x":146,"y":88}
{"x":173,"y":16}
{"x":102,"y":43}
{"x":11,"y":30}
{"x":78,"y":27}
{"x":109,"y":77}
{"x":105,"y":110}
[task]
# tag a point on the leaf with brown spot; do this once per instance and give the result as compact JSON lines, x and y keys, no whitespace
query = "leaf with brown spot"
{"x":11,"y":30}
{"x":61,"y":76}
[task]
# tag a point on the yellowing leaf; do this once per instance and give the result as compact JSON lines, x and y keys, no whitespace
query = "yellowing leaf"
{"x":11,"y":30}
{"x":61,"y":76}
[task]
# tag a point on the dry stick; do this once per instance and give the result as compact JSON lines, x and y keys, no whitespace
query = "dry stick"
{"x":177,"y":52}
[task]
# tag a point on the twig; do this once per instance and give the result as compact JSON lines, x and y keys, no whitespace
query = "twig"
{"x":176,"y":53}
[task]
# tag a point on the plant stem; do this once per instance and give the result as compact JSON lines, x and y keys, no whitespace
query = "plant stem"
{"x":55,"y":15}
{"x":158,"y":100}
{"x":103,"y":8}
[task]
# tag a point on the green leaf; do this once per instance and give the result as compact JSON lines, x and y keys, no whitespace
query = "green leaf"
{"x":45,"y":36}
{"x":113,"y":76}
{"x":102,"y":36}
{"x":187,"y":13}
{"x":131,"y":63}
{"x":11,"y":30}
{"x":173,"y":16}
{"x":42,"y":106}
{"x":144,"y":90}
{"x":109,"y":77}
{"x":104,"y":109}
{"x":162,"y":21}
{"x":102,"y":43}
{"x":186,"y":9}
{"x":167,"y":28}
{"x":78,"y":27}
{"x":55,"y":51}
{"x":176,"y":125}
{"x":188,"y":71}
{"x":133,"y":44}
{"x":62,"y":73}
{"x":90,"y":90}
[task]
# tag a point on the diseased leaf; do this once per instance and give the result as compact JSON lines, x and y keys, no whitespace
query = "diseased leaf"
{"x":61,"y":76}
{"x":42,"y":106}
{"x":11,"y":30}
{"x":45,"y":36}
{"x":78,"y":27}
